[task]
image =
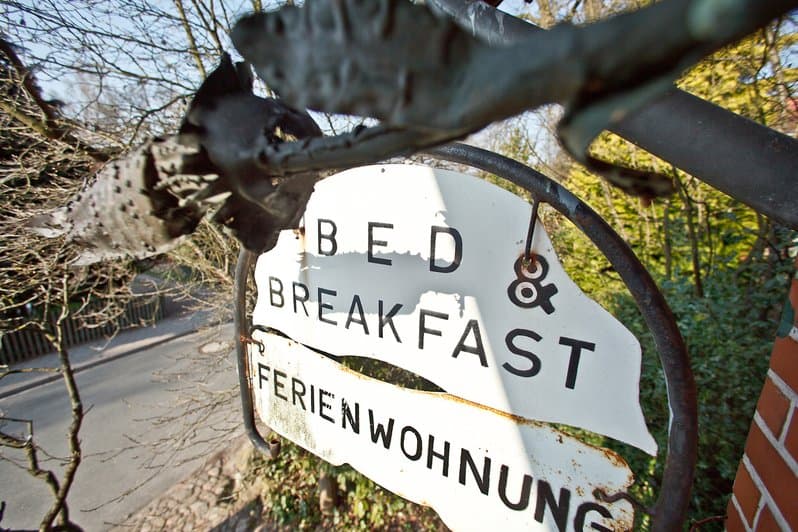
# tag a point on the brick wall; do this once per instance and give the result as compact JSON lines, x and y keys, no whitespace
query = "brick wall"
{"x":765,"y":495}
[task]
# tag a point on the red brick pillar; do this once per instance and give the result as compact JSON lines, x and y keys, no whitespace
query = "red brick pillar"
{"x":765,"y":495}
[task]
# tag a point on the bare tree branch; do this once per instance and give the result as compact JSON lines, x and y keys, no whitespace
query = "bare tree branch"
{"x":51,"y":127}
{"x":190,"y":35}
{"x":28,"y":81}
{"x":59,"y":507}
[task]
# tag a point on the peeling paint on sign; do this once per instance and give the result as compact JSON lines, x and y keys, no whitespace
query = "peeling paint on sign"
{"x":421,"y":268}
{"x":480,"y":469}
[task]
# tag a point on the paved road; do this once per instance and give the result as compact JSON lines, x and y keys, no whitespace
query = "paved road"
{"x":133,"y":402}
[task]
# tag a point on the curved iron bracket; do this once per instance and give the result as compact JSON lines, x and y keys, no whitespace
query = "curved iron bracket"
{"x":270,"y":448}
{"x":671,"y":507}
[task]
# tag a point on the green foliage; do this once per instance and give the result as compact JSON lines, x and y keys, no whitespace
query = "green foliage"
{"x":292,"y":497}
{"x":749,"y":78}
{"x":729,"y":344}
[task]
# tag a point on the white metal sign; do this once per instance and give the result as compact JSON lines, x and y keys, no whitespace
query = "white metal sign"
{"x":478,"y":468}
{"x":421,"y":268}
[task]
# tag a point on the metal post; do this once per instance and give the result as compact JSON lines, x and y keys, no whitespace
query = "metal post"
{"x":245,"y":261}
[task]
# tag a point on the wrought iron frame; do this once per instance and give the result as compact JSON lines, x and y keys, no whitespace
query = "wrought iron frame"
{"x":671,"y":507}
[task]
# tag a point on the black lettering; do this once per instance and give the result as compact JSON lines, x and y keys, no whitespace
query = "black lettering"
{"x":422,"y":327}
{"x":356,"y":304}
{"x":576,"y":352}
{"x":419,"y":450}
{"x":479,"y":350}
{"x":387,"y":319}
{"x":301,"y":299}
{"x":276,"y":293}
{"x":559,"y":508}
{"x":261,"y":376}
{"x":509,"y":340}
{"x":379,"y":432}
{"x":458,"y":249}
{"x":581,"y":515}
{"x":312,"y":399}
{"x":483,"y":481}
{"x":297,"y":395}
{"x":278,"y":385}
{"x":324,"y":292}
{"x":323,"y":405}
{"x":381,"y":243}
{"x":330,"y":237}
{"x":443,"y":456}
{"x":526,"y":486}
{"x":346,"y":413}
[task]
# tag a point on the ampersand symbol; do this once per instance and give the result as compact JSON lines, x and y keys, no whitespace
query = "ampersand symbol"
{"x":528,"y":290}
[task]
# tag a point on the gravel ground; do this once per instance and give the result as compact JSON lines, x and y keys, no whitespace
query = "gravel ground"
{"x":215,"y":498}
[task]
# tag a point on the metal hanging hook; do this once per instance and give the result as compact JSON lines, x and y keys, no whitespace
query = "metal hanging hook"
{"x":530,"y":235}
{"x":251,"y":340}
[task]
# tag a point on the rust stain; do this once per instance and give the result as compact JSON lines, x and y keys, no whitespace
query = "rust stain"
{"x":246,"y":340}
{"x":526,"y":262}
{"x":615,"y":459}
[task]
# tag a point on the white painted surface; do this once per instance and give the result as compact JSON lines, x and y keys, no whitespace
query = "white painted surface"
{"x":545,"y":372}
{"x":422,"y":446}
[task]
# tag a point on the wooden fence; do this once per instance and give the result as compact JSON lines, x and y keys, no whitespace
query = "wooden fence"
{"x":91,"y":325}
